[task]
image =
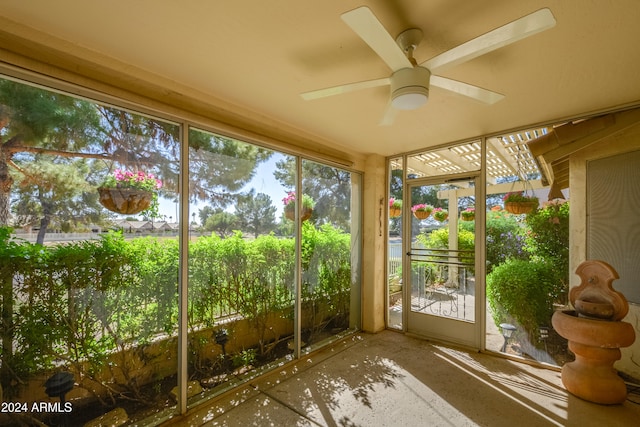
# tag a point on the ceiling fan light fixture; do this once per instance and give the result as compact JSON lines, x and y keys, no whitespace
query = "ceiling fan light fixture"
{"x":410,"y":98}
{"x":410,"y":88}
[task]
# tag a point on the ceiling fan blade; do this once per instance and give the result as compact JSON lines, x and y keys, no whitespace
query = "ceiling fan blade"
{"x":337,"y":90}
{"x":389,"y":117}
{"x":364,"y":23}
{"x":512,"y":32}
{"x":475,"y":92}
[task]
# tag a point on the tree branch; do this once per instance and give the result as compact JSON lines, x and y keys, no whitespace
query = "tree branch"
{"x":38,"y":150}
{"x":19,"y":169}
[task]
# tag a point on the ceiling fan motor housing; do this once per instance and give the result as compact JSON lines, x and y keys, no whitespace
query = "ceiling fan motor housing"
{"x":410,"y":88}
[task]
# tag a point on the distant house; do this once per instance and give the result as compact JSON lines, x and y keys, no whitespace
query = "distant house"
{"x":134,"y":226}
{"x":162,"y":226}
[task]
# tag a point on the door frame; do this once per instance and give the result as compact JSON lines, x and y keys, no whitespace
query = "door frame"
{"x":475,"y":336}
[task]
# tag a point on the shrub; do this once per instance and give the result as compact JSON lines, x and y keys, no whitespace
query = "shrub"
{"x":326,"y":277}
{"x":439,"y":239}
{"x":86,"y":300}
{"x":523,"y":293}
{"x":549,"y":236}
{"x":505,"y":239}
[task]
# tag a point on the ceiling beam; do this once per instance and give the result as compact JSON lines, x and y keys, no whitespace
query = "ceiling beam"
{"x":505,"y":187}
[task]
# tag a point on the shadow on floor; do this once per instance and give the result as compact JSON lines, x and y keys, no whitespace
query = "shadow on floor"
{"x":389,"y":379}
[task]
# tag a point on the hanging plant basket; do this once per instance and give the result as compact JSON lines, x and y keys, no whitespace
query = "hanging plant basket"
{"x":395,"y":207}
{"x":440,"y":215}
{"x":421,"y":214}
{"x":519,"y":203}
{"x":305,"y":214}
{"x":519,"y":208}
{"x":468,"y":214}
{"x":127,"y":201}
{"x":421,"y":211}
{"x":306,"y":207}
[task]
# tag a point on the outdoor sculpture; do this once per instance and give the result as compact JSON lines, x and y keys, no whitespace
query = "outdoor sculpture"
{"x":595,"y":333}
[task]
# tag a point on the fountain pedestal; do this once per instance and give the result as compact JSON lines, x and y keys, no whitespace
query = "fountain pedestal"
{"x":595,"y":333}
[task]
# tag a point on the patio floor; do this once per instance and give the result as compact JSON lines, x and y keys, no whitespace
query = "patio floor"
{"x":390,"y":379}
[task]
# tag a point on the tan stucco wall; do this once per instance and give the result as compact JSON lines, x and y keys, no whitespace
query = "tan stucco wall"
{"x":622,"y":142}
{"x":374,"y":235}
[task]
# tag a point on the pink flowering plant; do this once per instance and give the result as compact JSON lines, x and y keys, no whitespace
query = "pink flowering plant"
{"x":289,"y":201}
{"x":138,"y":180}
{"x":127,"y":179}
{"x":421,"y":208}
{"x":396,"y":204}
{"x":468,"y":213}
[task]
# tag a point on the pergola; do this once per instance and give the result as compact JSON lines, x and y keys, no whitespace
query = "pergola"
{"x":507,"y":156}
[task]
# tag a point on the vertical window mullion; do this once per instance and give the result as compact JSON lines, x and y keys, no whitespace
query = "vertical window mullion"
{"x":297,"y":323}
{"x":183,"y":279}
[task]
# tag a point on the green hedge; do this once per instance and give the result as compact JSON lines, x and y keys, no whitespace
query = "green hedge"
{"x":523,"y":292}
{"x":523,"y":289}
{"x":80,"y":301}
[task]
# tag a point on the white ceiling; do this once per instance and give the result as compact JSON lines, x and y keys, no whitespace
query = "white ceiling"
{"x":260,"y":55}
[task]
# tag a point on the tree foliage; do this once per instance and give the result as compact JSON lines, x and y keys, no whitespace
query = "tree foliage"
{"x":220,"y":222}
{"x":255,"y":213}
{"x":55,"y":194}
{"x":220,"y":167}
{"x":37,"y":122}
{"x":41,"y":131}
{"x":329,"y":187}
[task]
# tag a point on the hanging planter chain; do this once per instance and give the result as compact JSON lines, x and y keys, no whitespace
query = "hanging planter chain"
{"x":521,"y":206}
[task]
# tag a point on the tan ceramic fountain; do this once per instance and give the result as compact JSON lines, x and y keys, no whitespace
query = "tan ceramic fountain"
{"x":595,"y":333}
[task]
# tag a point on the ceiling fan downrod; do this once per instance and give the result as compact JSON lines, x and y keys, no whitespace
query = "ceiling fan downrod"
{"x":410,"y":86}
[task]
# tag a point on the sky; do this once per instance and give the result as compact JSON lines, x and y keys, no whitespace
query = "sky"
{"x":263,"y":182}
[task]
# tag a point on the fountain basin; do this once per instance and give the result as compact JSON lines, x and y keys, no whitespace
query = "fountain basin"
{"x":596,"y":344}
{"x":592,"y":332}
{"x":595,"y":332}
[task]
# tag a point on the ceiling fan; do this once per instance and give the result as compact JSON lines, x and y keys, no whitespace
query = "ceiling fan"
{"x":410,"y":81}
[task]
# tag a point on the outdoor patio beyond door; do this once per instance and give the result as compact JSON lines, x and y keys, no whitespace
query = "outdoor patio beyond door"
{"x":441,"y":261}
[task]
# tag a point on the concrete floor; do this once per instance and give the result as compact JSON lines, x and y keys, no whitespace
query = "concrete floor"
{"x":389,"y":379}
